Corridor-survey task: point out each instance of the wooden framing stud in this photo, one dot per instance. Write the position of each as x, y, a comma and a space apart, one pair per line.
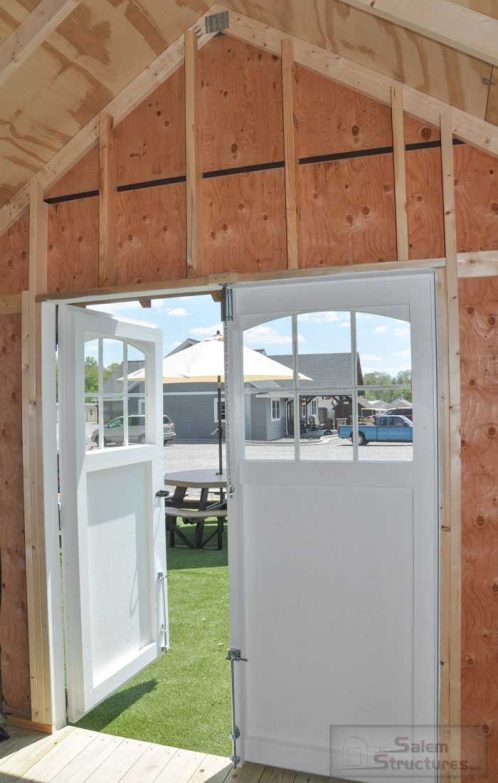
107, 202
36, 580
193, 171
398, 126
453, 491
291, 159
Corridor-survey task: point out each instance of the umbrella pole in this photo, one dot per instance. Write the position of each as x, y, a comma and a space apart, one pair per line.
220, 431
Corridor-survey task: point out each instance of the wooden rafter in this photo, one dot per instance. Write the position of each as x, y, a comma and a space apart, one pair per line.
452, 25
118, 108
372, 84
45, 18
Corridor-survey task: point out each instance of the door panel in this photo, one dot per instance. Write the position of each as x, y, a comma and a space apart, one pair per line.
113, 541
333, 560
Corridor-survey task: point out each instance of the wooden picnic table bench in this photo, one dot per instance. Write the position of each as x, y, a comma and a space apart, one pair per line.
195, 510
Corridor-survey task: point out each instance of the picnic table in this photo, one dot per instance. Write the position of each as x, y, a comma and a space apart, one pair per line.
198, 507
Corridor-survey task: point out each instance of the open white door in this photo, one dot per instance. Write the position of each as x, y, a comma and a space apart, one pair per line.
333, 544
113, 538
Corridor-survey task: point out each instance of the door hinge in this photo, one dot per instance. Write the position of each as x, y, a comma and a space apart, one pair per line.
234, 654
227, 304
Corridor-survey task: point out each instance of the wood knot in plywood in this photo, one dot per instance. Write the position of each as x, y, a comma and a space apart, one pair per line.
494, 587
485, 729
480, 521
469, 660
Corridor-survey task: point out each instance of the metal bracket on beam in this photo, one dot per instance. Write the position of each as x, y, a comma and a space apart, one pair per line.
217, 23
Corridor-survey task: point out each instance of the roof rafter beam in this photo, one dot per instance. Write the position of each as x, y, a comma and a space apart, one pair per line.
32, 31
118, 108
374, 85
452, 25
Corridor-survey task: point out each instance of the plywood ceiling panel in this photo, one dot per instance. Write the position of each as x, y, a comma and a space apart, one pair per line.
492, 107
384, 47
12, 14
88, 60
486, 7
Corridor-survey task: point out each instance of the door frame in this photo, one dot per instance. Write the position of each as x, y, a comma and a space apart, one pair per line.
49, 655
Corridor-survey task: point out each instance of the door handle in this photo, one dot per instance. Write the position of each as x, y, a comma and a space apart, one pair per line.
162, 493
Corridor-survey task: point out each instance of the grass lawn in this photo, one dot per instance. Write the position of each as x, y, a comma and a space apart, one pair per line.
183, 699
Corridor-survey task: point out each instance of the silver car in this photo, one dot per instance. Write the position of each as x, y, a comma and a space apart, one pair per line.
114, 430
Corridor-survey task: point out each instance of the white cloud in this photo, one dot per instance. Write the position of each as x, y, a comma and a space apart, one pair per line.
264, 335
206, 331
178, 312
403, 354
403, 331
380, 329
370, 357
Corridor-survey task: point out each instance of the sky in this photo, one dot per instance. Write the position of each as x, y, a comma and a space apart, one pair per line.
383, 342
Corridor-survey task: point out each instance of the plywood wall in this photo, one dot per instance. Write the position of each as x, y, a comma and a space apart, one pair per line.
346, 216
345, 180
14, 659
479, 367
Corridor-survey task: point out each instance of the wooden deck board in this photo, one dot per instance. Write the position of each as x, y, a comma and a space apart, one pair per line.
75, 755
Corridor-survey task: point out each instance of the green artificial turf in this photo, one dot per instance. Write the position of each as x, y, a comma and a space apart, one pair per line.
183, 699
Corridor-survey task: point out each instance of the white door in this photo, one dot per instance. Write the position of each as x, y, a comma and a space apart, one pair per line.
333, 544
113, 539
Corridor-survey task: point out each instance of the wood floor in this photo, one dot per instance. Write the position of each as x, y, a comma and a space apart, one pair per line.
79, 756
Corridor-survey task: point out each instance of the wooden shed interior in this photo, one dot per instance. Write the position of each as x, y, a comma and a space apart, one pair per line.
162, 144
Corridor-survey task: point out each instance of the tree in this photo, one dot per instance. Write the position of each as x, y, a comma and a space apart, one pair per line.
91, 375
403, 379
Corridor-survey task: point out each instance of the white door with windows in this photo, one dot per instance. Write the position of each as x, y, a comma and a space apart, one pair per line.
333, 544
112, 523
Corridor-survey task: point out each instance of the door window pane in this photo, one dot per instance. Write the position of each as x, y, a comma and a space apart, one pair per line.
114, 422
346, 369
268, 367
325, 426
385, 417
113, 366
324, 351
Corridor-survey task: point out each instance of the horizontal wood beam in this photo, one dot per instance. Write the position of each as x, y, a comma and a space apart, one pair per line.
32, 31
137, 91
202, 284
481, 264
370, 83
452, 25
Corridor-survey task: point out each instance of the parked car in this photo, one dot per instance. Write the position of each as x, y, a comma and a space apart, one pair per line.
393, 429
114, 430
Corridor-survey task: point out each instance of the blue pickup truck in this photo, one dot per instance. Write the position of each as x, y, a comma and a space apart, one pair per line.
394, 429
